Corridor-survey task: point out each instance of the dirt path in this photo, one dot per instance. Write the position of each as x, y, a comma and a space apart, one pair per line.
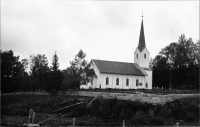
142, 97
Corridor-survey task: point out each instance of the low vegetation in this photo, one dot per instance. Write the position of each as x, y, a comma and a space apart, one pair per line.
101, 110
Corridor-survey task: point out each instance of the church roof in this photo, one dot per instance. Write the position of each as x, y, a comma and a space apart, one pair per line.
112, 67
141, 44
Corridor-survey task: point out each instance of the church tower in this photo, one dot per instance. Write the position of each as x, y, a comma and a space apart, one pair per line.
141, 55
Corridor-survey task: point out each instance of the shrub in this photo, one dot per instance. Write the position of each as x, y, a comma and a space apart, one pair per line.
177, 110
136, 106
156, 121
190, 117
150, 113
117, 107
140, 118
79, 111
164, 112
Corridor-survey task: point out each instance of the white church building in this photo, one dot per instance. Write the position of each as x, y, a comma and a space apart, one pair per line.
122, 75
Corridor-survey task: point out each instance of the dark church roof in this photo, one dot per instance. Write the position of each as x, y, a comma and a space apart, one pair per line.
141, 44
112, 67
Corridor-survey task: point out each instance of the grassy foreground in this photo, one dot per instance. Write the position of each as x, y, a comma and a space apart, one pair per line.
15, 109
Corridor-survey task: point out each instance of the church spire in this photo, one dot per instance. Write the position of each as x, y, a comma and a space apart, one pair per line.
141, 44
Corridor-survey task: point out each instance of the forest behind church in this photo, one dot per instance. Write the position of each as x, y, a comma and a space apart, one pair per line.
175, 67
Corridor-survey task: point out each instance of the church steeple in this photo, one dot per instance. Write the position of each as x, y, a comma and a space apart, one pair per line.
141, 44
141, 54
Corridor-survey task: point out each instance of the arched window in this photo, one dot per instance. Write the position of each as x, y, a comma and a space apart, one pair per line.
117, 81
145, 56
137, 81
146, 85
137, 55
127, 82
107, 81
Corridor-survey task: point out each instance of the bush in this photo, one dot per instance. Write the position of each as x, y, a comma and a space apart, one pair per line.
164, 112
117, 109
190, 117
156, 121
182, 108
140, 118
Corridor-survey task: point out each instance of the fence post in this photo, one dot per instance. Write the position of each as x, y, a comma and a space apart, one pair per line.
123, 123
73, 122
33, 117
30, 116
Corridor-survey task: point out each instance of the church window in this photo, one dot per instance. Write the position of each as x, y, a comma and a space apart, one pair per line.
137, 81
137, 55
127, 82
107, 81
117, 81
146, 85
145, 55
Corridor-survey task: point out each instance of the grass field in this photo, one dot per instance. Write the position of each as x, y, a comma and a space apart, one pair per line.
15, 110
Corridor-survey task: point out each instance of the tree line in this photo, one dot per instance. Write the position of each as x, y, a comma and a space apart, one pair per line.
176, 66
34, 74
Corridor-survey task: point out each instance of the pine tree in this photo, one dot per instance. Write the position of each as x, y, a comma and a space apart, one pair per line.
55, 77
55, 63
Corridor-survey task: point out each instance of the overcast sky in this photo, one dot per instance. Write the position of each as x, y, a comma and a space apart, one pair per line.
105, 30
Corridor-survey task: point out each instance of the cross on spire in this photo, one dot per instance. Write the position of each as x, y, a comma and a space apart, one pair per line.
142, 14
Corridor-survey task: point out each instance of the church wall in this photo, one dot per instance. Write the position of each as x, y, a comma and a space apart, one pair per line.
149, 79
122, 81
145, 61
137, 60
142, 62
97, 80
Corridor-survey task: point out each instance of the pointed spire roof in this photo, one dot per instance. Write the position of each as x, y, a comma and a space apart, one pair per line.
141, 44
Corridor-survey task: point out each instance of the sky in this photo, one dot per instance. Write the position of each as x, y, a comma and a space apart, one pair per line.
104, 30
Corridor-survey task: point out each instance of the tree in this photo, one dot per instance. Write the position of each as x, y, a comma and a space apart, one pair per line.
39, 71
11, 71
25, 64
197, 51
78, 73
55, 77
55, 63
71, 79
25, 77
161, 72
177, 63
